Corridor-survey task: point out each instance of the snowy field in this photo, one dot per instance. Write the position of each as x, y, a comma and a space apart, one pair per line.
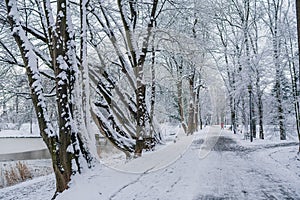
9, 130
217, 165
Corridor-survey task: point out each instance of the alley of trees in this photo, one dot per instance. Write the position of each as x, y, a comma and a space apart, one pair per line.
126, 66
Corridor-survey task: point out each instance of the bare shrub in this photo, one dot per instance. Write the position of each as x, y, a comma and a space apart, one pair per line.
11, 176
23, 171
16, 174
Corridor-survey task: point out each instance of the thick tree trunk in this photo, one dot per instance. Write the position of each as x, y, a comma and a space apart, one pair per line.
278, 71
67, 145
153, 88
141, 118
180, 97
259, 106
278, 92
278, 95
64, 172
260, 115
294, 81
197, 114
231, 82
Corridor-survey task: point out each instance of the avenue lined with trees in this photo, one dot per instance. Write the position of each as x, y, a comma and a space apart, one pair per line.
127, 66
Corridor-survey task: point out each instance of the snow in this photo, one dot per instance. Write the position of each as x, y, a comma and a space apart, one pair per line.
16, 133
212, 164
24, 131
32, 68
17, 145
49, 16
38, 188
150, 162
35, 169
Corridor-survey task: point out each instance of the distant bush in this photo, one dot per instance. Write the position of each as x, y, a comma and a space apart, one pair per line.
16, 174
23, 171
11, 176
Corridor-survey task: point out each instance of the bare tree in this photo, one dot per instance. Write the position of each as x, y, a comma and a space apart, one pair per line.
69, 145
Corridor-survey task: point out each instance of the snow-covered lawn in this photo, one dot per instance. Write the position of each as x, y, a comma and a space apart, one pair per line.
25, 130
36, 168
150, 162
217, 165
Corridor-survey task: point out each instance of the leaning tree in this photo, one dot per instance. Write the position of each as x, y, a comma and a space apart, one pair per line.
47, 45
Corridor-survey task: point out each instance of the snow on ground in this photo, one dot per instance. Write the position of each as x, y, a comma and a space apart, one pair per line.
35, 169
171, 135
150, 162
35, 189
25, 130
217, 165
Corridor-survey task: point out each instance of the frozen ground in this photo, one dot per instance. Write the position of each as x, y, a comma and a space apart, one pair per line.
25, 130
217, 165
35, 168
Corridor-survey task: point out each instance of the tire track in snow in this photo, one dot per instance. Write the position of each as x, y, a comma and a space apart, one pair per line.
129, 184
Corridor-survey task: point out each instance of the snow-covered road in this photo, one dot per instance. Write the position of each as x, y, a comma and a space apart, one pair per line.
216, 166
229, 171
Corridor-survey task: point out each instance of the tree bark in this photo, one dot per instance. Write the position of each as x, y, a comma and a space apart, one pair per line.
298, 31
191, 111
260, 111
180, 97
67, 145
137, 59
153, 88
197, 114
253, 118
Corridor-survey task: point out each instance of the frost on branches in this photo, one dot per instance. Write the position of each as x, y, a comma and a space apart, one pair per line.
67, 146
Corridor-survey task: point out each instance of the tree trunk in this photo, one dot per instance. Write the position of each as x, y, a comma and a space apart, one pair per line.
141, 118
253, 119
180, 105
66, 146
200, 117
137, 59
180, 97
260, 115
278, 71
298, 31
197, 114
153, 87
294, 80
278, 95
191, 122
232, 113
245, 120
